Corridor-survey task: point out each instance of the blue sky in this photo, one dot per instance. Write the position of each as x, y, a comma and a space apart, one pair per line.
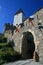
9, 7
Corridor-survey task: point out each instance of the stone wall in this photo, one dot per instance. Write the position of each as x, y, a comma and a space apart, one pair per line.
37, 33
35, 30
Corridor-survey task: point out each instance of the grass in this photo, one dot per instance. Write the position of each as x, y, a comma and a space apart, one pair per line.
7, 53
3, 44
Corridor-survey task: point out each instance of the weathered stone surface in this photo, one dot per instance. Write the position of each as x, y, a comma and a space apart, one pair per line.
25, 62
35, 30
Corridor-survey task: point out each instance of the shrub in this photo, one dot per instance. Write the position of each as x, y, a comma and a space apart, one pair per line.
8, 57
11, 43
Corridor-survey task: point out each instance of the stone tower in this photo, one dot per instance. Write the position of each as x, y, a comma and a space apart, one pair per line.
33, 25
19, 17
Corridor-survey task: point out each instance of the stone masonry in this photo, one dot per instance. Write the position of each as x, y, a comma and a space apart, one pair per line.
36, 28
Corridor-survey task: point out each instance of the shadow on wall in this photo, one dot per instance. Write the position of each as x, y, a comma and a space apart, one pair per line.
35, 56
28, 45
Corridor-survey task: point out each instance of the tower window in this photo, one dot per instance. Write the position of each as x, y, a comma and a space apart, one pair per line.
39, 23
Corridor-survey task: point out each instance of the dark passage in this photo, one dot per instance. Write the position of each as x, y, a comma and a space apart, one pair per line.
28, 45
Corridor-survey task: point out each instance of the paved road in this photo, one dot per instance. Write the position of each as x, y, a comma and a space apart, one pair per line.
24, 62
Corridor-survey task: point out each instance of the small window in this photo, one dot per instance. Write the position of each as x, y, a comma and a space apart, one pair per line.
39, 23
21, 24
40, 27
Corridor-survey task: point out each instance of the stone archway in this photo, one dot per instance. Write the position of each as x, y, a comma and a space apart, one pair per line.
28, 46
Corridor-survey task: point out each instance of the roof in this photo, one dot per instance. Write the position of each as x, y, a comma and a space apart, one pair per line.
38, 10
19, 11
32, 16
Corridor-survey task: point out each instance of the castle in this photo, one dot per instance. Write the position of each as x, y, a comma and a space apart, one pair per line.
21, 26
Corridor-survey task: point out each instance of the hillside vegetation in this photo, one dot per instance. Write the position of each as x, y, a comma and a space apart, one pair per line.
7, 53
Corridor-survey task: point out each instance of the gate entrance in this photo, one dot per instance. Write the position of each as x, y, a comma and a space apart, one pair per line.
28, 46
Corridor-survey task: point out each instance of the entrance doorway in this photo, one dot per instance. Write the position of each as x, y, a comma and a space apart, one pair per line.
28, 45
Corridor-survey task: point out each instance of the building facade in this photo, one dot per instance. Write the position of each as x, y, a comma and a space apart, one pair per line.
33, 25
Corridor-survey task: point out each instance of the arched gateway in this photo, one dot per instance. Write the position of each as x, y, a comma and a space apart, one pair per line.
28, 46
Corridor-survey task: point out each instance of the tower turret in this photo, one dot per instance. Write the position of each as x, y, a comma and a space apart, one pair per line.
19, 17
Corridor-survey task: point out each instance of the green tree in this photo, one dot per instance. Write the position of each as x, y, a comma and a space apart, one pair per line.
11, 43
